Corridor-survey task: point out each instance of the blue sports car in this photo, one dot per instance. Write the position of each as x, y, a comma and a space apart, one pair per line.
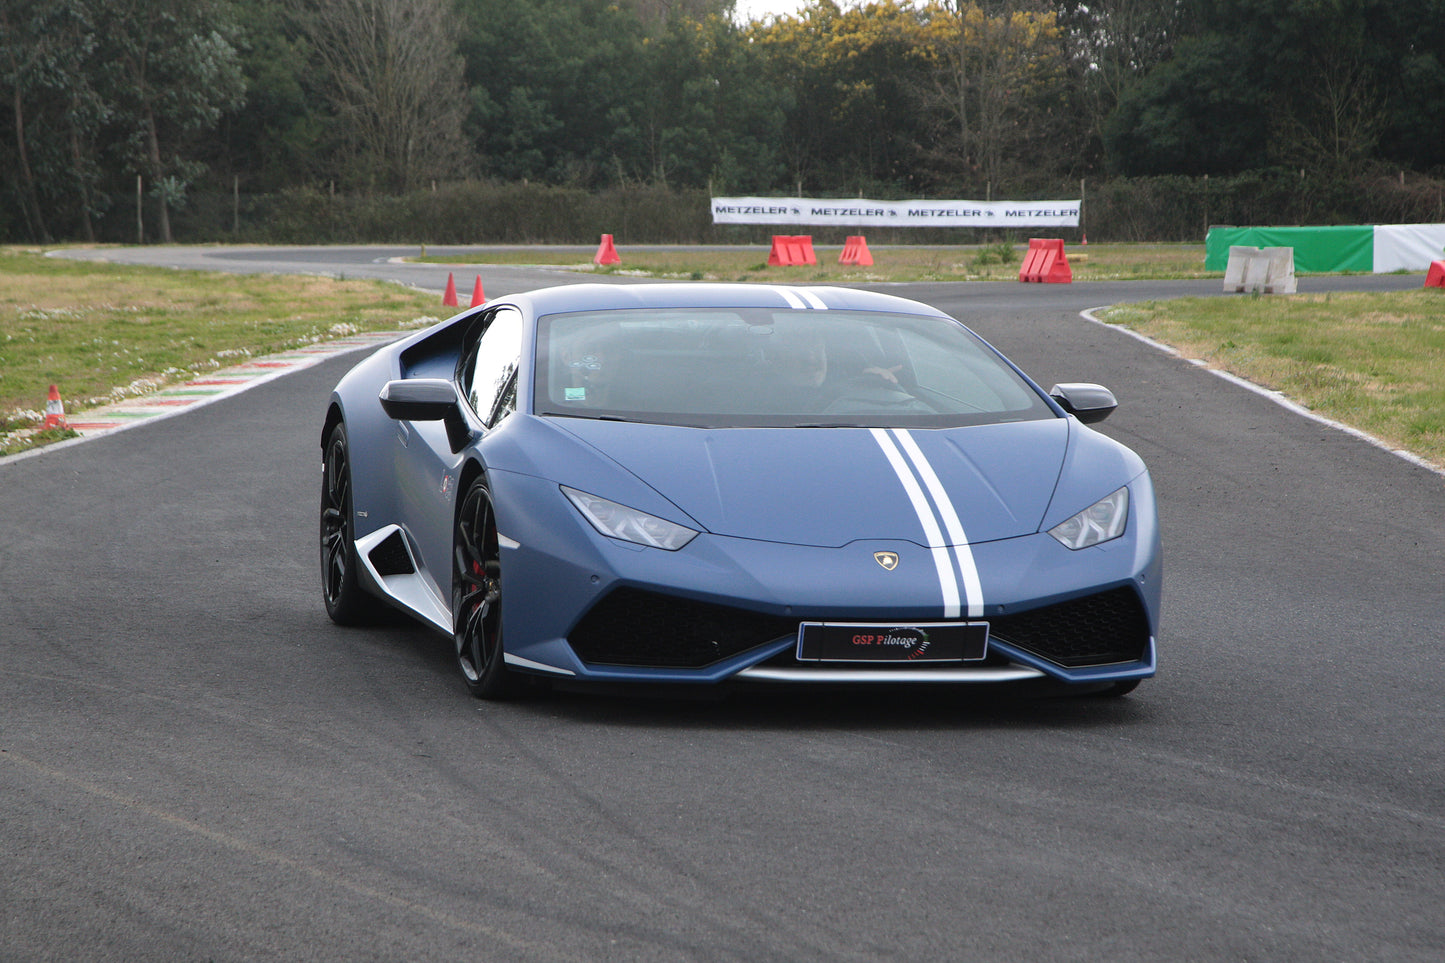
704, 483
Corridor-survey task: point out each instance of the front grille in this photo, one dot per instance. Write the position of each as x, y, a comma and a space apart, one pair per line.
633, 627
1097, 629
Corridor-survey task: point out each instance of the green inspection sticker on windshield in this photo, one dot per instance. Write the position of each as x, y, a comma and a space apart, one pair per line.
575, 394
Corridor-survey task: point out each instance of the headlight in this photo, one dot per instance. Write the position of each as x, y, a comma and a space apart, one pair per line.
628, 524
1100, 522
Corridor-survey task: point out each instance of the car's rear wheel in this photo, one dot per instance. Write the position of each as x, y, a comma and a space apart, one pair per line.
346, 602
477, 597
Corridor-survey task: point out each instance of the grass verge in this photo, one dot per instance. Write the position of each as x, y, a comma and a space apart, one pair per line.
104, 332
1372, 361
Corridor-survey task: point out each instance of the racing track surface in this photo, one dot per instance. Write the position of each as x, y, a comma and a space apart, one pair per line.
195, 764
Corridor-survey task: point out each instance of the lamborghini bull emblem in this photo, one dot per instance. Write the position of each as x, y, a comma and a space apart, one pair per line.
889, 560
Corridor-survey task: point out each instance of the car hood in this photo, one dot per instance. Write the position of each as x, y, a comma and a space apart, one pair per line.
829, 487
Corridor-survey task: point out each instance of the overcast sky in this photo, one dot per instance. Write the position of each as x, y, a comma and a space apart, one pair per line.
746, 10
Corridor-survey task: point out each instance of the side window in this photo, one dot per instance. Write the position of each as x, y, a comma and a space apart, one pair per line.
490, 372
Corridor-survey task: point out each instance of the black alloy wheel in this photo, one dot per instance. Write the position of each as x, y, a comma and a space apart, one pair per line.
346, 602
477, 597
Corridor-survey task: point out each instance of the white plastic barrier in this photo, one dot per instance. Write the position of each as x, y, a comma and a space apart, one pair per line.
1269, 270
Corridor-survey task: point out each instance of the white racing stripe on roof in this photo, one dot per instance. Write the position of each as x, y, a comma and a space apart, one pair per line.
801, 298
972, 588
812, 298
788, 295
947, 576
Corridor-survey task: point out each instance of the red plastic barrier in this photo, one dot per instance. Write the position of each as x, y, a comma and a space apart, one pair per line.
449, 297
1046, 262
478, 295
855, 251
1435, 278
791, 250
606, 252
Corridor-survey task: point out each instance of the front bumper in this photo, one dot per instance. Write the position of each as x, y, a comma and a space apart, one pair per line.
582, 606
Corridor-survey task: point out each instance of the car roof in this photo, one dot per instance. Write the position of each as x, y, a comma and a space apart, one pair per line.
601, 297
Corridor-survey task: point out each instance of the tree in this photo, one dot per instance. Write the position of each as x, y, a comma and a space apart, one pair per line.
662, 12
695, 109
46, 49
1318, 85
392, 74
278, 138
853, 76
1197, 113
996, 90
550, 83
171, 71
1114, 44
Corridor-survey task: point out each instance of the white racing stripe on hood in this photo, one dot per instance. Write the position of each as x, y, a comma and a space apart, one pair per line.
961, 584
972, 589
947, 577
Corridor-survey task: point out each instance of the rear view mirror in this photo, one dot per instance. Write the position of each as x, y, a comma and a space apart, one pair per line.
427, 399
1086, 402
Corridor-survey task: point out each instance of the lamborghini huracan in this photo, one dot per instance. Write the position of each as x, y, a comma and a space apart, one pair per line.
703, 484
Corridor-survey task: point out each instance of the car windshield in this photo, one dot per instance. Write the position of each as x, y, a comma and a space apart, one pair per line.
774, 368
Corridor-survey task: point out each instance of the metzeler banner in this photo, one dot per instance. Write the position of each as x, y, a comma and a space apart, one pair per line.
864, 213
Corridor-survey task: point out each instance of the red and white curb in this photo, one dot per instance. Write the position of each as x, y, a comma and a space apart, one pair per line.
204, 389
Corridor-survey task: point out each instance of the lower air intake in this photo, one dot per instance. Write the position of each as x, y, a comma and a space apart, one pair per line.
637, 628
390, 556
1100, 629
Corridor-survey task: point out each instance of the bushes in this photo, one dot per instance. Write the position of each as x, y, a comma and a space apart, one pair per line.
1183, 208
477, 213
1167, 208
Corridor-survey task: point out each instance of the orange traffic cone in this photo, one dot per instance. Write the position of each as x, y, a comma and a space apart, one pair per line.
450, 298
606, 252
55, 410
477, 296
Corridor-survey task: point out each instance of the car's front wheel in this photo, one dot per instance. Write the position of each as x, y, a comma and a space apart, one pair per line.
346, 602
477, 597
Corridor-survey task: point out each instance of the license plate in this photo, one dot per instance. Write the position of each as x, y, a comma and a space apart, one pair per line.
918, 642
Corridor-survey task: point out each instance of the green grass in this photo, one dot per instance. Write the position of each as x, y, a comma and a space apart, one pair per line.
1373, 361
105, 332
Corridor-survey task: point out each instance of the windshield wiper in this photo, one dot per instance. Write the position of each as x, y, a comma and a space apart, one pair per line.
581, 415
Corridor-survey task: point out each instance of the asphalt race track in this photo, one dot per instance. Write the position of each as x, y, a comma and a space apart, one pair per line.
196, 765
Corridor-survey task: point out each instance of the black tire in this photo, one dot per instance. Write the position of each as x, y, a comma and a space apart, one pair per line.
346, 602
477, 598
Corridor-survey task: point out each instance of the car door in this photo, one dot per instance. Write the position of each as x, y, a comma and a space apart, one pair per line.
428, 470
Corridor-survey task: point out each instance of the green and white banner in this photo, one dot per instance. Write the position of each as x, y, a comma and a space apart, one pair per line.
866, 213
1364, 249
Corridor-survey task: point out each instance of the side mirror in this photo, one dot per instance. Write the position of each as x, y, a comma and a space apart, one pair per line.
1086, 402
428, 399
